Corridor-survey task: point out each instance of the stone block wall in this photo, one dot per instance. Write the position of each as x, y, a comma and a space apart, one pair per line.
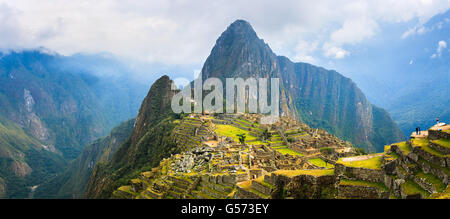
353, 173
434, 134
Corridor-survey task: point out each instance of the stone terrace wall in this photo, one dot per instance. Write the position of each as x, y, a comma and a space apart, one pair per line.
434, 134
354, 173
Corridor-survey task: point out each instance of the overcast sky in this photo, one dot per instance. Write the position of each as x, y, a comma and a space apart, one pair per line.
183, 32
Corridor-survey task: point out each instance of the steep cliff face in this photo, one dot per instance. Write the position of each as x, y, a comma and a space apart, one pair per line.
63, 107
149, 143
24, 161
328, 100
321, 98
73, 182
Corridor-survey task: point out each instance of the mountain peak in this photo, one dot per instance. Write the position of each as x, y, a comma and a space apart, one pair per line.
241, 24
238, 31
154, 107
239, 52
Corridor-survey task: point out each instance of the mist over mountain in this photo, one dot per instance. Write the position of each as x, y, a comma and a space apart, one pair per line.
52, 109
407, 73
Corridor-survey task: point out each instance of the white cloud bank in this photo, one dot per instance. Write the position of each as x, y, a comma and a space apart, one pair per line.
442, 45
184, 31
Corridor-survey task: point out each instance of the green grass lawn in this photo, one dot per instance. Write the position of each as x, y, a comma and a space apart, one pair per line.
320, 163
404, 147
372, 163
279, 147
411, 188
289, 151
420, 142
232, 132
434, 180
318, 172
443, 142
261, 180
247, 124
391, 156
256, 143
275, 142
423, 143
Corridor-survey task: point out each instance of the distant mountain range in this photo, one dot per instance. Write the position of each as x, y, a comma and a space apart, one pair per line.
51, 107
401, 75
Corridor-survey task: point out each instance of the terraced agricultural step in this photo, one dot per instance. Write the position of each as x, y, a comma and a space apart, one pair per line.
411, 190
245, 191
441, 172
263, 187
153, 194
175, 195
432, 155
177, 189
429, 182
277, 144
218, 187
213, 193
180, 182
441, 145
200, 195
276, 139
249, 194
358, 189
299, 135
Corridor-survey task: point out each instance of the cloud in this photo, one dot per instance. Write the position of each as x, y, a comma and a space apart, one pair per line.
183, 32
421, 29
354, 31
442, 45
335, 52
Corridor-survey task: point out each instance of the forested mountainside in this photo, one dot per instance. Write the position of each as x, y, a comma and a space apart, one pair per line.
319, 97
73, 182
24, 161
150, 141
51, 109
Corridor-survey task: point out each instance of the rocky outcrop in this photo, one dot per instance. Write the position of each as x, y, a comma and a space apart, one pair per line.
156, 106
20, 169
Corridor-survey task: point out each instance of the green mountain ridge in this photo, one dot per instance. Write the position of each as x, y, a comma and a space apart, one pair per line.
73, 182
149, 142
51, 110
24, 161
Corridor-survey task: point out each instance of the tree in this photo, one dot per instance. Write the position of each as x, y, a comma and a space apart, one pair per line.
266, 134
241, 138
361, 151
